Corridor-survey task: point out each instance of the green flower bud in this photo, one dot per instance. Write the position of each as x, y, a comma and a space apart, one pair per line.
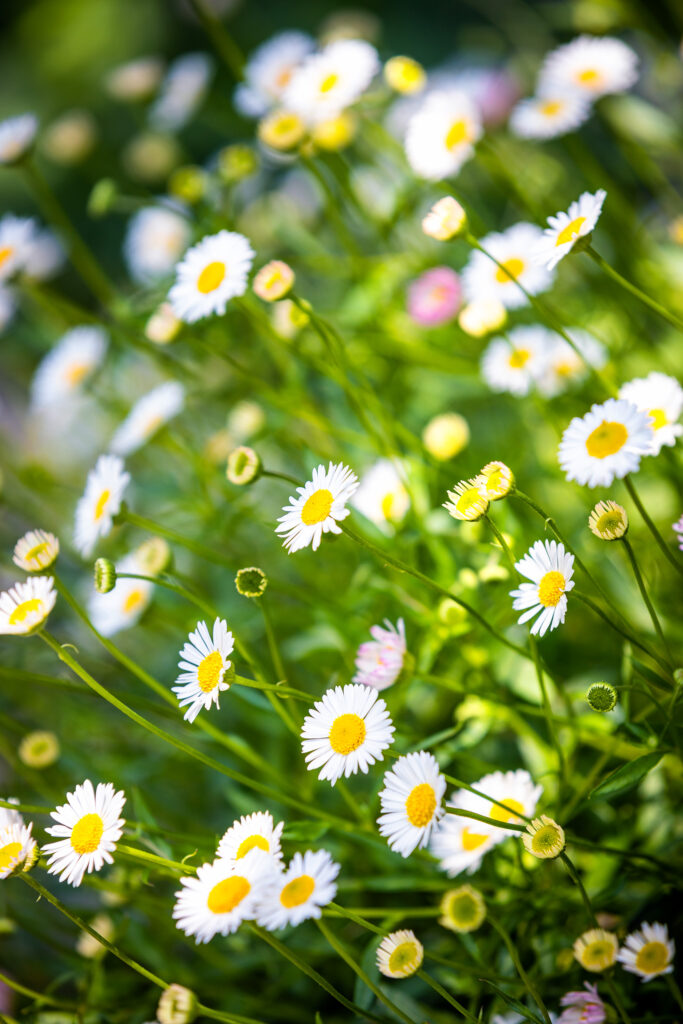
244, 466
105, 575
178, 1005
251, 582
102, 197
602, 697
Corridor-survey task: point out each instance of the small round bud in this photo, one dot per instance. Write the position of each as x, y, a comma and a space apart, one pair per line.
39, 749
154, 556
281, 130
70, 138
462, 909
244, 466
544, 838
446, 219
466, 501
608, 521
35, 551
163, 325
273, 281
150, 157
496, 480
602, 697
178, 1005
335, 133
189, 184
481, 317
450, 613
236, 163
102, 197
445, 436
251, 582
105, 575
404, 75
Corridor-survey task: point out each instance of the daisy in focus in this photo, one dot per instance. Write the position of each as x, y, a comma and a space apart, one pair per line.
381, 495
124, 605
221, 895
269, 71
155, 240
17, 235
467, 501
517, 362
550, 569
589, 66
584, 1007
662, 397
648, 952
495, 481
298, 893
513, 250
411, 802
211, 273
549, 116
88, 828
16, 137
18, 849
347, 731
330, 81
596, 949
442, 133
149, 414
606, 444
565, 229
400, 954
36, 550
67, 366
379, 662
25, 606
255, 831
101, 501
435, 297
205, 662
319, 508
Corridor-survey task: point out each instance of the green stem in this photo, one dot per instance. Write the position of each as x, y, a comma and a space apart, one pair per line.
38, 997
501, 540
279, 708
618, 629
345, 237
223, 43
281, 476
529, 985
616, 276
651, 526
561, 766
210, 554
674, 989
482, 817
646, 599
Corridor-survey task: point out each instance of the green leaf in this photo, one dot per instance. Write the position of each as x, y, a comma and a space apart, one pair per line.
626, 777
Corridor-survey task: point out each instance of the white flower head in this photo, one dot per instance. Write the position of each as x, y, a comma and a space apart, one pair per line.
328, 82
149, 414
442, 133
345, 732
296, 895
155, 240
514, 250
381, 495
211, 273
379, 661
101, 501
648, 952
18, 849
36, 550
67, 366
221, 895
255, 831
319, 507
606, 444
565, 364
549, 116
182, 91
550, 569
662, 398
565, 229
269, 71
205, 660
400, 954
26, 606
517, 362
590, 66
411, 802
123, 606
45, 256
88, 827
16, 137
17, 235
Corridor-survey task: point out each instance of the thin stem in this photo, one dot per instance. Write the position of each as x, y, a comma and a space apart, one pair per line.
561, 766
622, 632
629, 287
674, 989
501, 540
651, 526
223, 43
38, 997
482, 817
648, 603
210, 554
529, 985
277, 475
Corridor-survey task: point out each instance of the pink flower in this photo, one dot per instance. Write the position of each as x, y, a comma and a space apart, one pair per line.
678, 527
435, 297
380, 660
583, 1007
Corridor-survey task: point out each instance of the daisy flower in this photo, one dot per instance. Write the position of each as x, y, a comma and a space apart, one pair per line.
211, 273
549, 116
566, 365
608, 520
155, 240
381, 495
346, 731
662, 397
182, 91
434, 297
514, 251
442, 133
16, 237
517, 362
380, 661
400, 954
269, 71
273, 281
18, 849
8, 816
67, 366
328, 82
101, 501
122, 606
88, 827
466, 501
411, 802
596, 949
565, 229
544, 838
550, 569
25, 606
648, 952
221, 895
589, 66
463, 909
606, 444
255, 831
148, 415
16, 137
205, 661
318, 509
583, 1007
36, 550
300, 891
496, 480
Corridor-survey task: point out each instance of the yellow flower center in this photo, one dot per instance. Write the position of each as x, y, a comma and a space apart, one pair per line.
210, 671
495, 481
404, 957
551, 107
458, 133
551, 588
598, 955
228, 894
652, 958
472, 840
101, 504
283, 78
5, 253
328, 83
210, 277
464, 908
286, 124
133, 601
609, 522
469, 501
511, 810
34, 553
659, 418
347, 733
297, 891
86, 833
251, 843
570, 232
317, 507
509, 270
607, 438
421, 804
519, 358
8, 853
589, 76
545, 839
75, 373
23, 610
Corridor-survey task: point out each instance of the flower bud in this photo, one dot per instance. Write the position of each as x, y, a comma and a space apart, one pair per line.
482, 316
102, 197
244, 466
602, 697
336, 133
466, 501
544, 838
105, 575
154, 556
236, 162
163, 325
189, 184
273, 281
445, 436
496, 480
251, 582
39, 749
462, 909
70, 138
178, 1005
608, 521
281, 130
446, 219
404, 75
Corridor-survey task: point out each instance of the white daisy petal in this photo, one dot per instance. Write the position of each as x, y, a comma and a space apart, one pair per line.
211, 273
206, 662
300, 891
411, 802
88, 826
606, 444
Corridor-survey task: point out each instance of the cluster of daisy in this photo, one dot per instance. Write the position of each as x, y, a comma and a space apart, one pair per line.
647, 952
24, 608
